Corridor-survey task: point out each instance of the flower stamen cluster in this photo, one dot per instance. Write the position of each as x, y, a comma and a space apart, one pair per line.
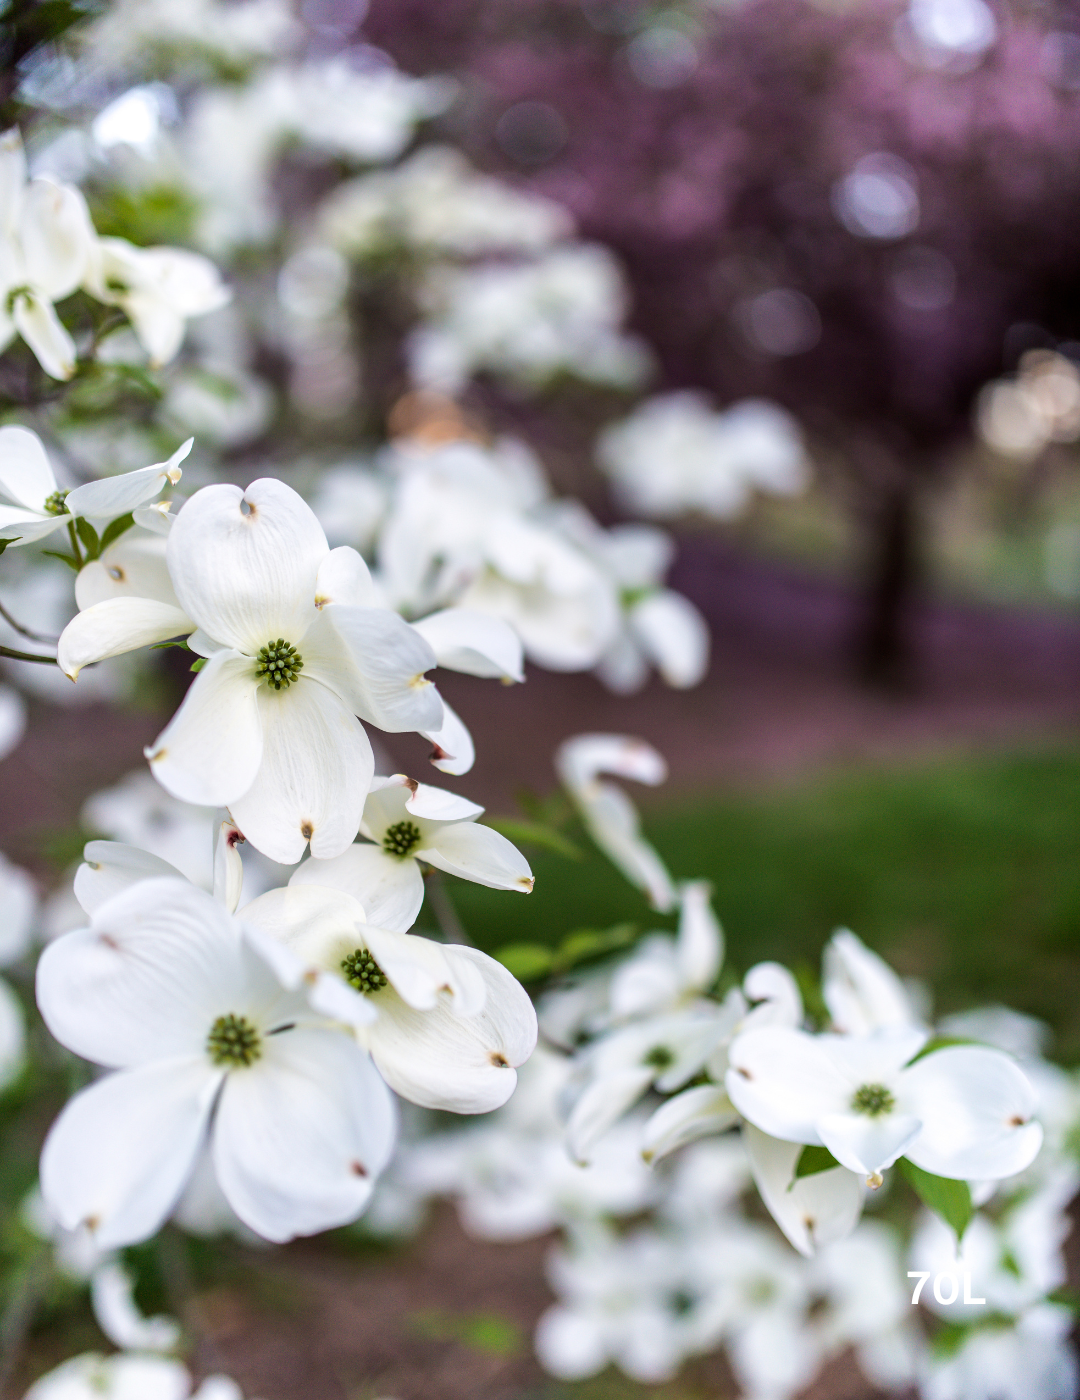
363, 972
233, 1041
873, 1100
401, 839
55, 504
279, 663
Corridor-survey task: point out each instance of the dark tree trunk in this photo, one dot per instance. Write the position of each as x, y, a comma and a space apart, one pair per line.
884, 650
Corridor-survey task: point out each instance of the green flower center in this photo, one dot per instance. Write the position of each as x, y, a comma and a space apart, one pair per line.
363, 972
54, 504
279, 663
873, 1100
660, 1057
233, 1041
401, 838
15, 294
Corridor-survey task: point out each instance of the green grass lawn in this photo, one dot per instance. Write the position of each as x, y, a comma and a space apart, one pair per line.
964, 872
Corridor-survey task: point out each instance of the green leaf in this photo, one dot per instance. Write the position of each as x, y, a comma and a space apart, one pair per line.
69, 559
198, 665
529, 962
115, 529
1066, 1297
486, 1332
180, 642
4, 543
945, 1197
813, 1160
535, 834
89, 537
940, 1042
587, 944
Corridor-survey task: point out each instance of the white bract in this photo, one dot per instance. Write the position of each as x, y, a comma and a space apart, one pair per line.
675, 454
962, 1111
406, 822
294, 650
166, 989
45, 241
446, 1025
128, 1377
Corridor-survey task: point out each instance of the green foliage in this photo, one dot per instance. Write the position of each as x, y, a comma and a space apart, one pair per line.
940, 1042
485, 1332
535, 834
532, 962
89, 537
69, 559
813, 1160
945, 1197
115, 529
157, 214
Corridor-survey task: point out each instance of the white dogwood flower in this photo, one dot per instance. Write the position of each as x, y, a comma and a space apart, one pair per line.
158, 289
446, 1025
45, 241
963, 1111
127, 1376
406, 822
860, 989
165, 988
40, 506
295, 651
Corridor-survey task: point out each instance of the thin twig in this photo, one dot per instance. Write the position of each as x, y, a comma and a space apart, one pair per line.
442, 906
25, 631
28, 656
19, 1315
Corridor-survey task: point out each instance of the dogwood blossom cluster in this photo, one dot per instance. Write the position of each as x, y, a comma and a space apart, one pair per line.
678, 1106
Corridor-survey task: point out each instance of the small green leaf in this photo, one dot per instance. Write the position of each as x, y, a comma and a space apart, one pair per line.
486, 1332
813, 1160
89, 537
1066, 1297
535, 834
4, 543
586, 944
945, 1197
527, 961
940, 1042
180, 642
115, 529
69, 559
198, 665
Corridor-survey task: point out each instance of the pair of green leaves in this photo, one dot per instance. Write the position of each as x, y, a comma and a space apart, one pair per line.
93, 543
949, 1199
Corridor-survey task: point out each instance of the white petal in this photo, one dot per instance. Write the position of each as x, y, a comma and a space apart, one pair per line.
159, 328
20, 527
158, 964
976, 1105
375, 661
868, 1145
300, 1137
12, 720
479, 854
695, 1113
464, 1064
601, 1105
612, 822
314, 921
110, 867
580, 759
390, 889
434, 804
417, 967
570, 1345
244, 563
210, 751
25, 474
114, 496
344, 578
116, 626
783, 1081
41, 328
12, 1035
775, 995
18, 907
674, 635
813, 1210
860, 989
473, 642
56, 237
699, 949
228, 866
112, 1295
117, 1158
12, 179
133, 566
315, 772
453, 746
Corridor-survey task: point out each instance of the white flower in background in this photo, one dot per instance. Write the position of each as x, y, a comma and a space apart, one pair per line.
27, 479
659, 626
406, 822
294, 653
529, 322
435, 203
664, 973
165, 988
608, 814
675, 454
128, 1377
135, 33
860, 989
12, 720
158, 289
962, 1111
446, 1025
351, 501
45, 239
1032, 1360
18, 908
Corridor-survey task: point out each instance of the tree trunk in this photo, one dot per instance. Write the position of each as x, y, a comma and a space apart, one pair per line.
884, 650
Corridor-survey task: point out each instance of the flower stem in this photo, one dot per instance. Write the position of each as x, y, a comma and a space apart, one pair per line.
442, 906
27, 656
